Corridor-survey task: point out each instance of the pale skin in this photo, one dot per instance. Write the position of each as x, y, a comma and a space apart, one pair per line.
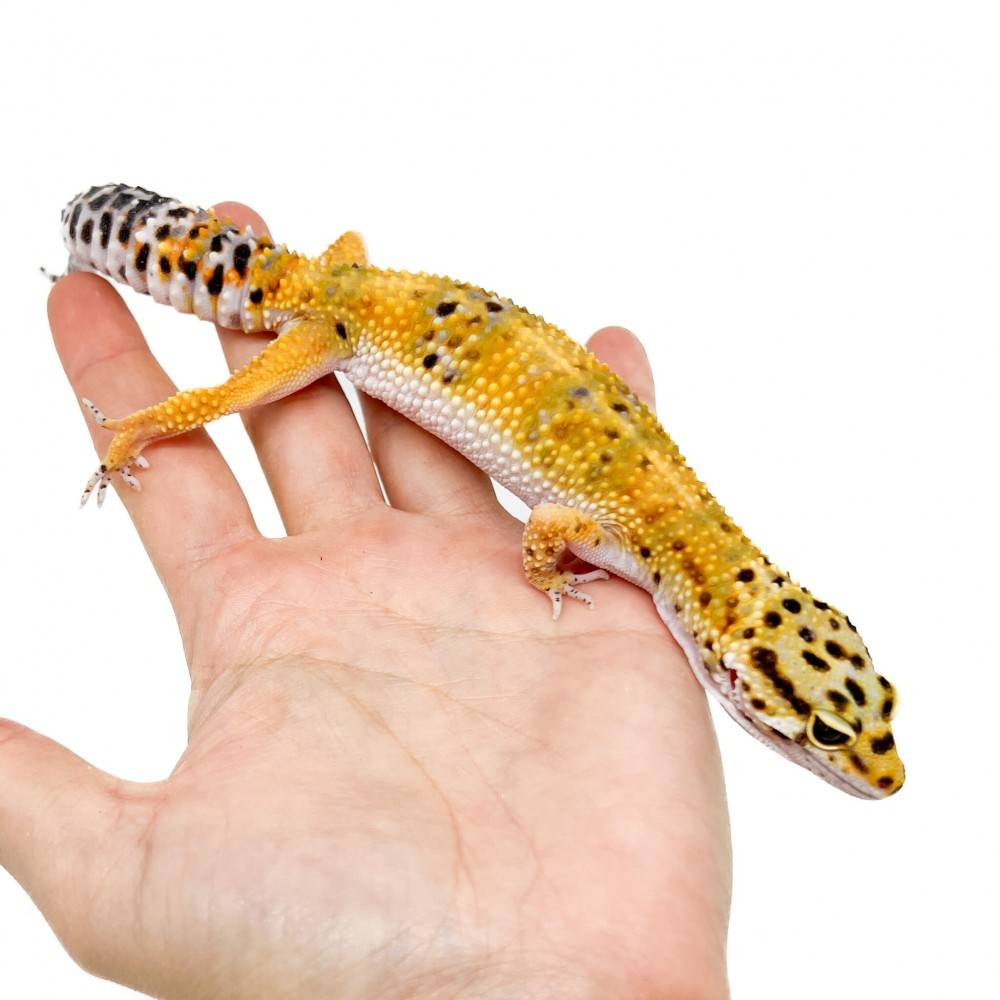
403, 779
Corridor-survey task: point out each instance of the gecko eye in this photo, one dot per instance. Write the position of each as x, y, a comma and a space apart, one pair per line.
829, 731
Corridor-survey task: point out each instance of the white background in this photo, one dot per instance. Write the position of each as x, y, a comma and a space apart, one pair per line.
796, 205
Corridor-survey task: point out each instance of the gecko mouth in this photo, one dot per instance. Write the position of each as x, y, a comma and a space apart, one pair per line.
727, 689
729, 693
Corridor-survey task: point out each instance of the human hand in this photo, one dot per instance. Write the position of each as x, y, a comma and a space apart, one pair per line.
402, 778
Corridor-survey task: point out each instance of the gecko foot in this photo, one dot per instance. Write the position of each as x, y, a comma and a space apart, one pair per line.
124, 465
102, 478
565, 585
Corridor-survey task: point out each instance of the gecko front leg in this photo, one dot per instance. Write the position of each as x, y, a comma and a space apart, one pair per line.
548, 533
302, 353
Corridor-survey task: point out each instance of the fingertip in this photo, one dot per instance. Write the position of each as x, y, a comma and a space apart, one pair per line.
622, 351
89, 321
241, 215
70, 291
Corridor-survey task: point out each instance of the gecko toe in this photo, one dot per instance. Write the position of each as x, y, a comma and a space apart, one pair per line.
566, 587
130, 480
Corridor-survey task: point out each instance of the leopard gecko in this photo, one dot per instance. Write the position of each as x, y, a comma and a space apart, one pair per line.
539, 414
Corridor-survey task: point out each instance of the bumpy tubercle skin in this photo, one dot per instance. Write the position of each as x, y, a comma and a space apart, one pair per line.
540, 414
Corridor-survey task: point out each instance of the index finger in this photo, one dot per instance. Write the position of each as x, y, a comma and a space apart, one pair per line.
191, 505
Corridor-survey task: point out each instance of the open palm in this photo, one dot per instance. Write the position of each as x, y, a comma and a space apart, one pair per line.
402, 778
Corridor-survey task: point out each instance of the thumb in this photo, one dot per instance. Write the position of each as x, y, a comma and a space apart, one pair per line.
62, 834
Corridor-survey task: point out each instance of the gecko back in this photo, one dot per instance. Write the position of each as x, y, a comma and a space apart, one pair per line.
181, 256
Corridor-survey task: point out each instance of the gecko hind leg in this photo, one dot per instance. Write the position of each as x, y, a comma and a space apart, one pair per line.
118, 458
550, 530
303, 352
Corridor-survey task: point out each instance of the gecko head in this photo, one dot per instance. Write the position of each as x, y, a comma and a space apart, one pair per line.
801, 680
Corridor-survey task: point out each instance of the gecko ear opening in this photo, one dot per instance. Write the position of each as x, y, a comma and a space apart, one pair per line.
829, 731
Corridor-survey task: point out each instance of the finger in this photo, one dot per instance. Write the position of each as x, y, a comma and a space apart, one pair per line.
420, 472
68, 836
623, 352
191, 506
310, 446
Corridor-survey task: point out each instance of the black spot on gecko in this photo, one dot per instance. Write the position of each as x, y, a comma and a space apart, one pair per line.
835, 649
645, 552
884, 682
74, 219
745, 575
834, 624
619, 407
134, 211
767, 662
124, 232
772, 619
446, 308
807, 634
605, 456
241, 254
748, 633
822, 605
882, 744
859, 763
216, 245
121, 199
99, 202
855, 691
162, 232
195, 231
87, 231
887, 708
164, 265
142, 257
857, 660
817, 662
678, 545
790, 604
258, 294
580, 392
838, 700
657, 577
758, 703
179, 213
189, 267
341, 329
214, 284
430, 360
494, 307
704, 597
